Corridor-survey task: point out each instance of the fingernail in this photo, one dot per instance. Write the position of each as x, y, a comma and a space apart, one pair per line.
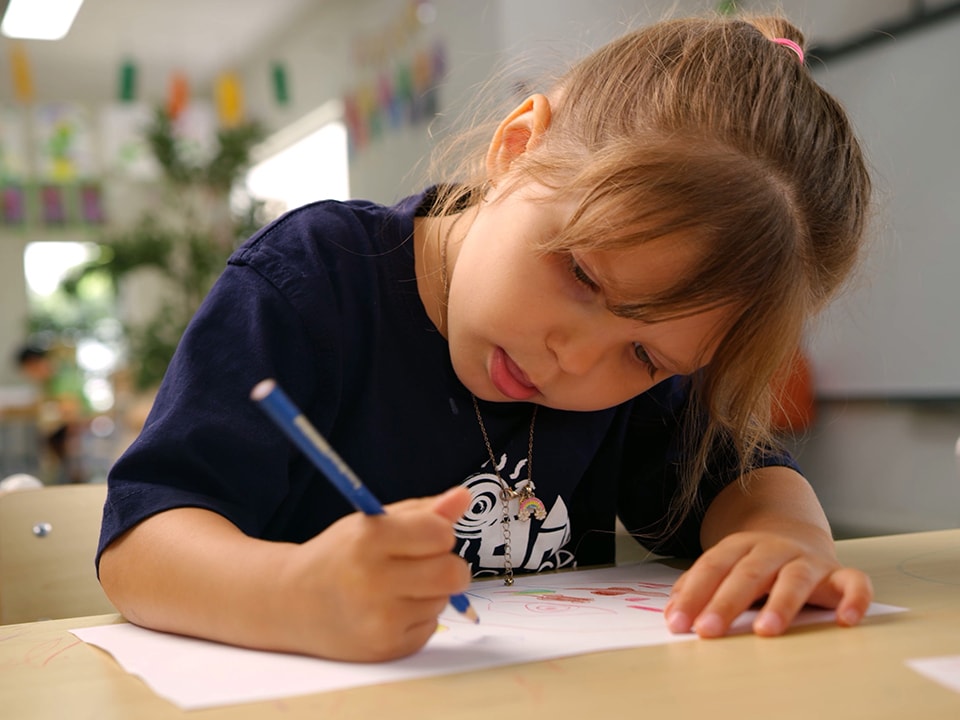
678, 622
709, 625
849, 617
768, 623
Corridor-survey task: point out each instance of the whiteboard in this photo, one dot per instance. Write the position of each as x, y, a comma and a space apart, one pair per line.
896, 331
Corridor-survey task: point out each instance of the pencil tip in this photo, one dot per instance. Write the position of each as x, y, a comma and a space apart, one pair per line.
471, 614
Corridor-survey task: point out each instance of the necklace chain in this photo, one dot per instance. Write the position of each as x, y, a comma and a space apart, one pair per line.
528, 501
507, 493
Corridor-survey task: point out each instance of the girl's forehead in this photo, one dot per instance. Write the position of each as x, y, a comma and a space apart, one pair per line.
648, 268
656, 282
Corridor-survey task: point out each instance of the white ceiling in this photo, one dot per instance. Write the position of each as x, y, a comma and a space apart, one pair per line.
198, 37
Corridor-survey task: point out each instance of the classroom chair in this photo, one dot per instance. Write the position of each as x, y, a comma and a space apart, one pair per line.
48, 538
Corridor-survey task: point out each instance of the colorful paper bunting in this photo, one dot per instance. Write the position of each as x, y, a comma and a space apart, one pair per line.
22, 76
229, 100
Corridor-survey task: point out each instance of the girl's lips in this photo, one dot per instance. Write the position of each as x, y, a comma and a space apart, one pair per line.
508, 378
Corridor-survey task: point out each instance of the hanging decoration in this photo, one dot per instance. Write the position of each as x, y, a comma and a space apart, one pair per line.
229, 96
727, 7
399, 71
64, 143
281, 91
14, 148
123, 145
13, 205
13, 167
195, 132
128, 82
22, 75
179, 95
91, 204
53, 210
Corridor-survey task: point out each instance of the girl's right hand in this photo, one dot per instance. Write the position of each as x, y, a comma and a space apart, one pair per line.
370, 587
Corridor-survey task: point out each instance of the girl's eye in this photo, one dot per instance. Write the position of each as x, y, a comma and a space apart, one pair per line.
581, 276
645, 360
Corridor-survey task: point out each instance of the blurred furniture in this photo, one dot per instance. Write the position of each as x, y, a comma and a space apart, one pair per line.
19, 438
20, 481
957, 452
48, 538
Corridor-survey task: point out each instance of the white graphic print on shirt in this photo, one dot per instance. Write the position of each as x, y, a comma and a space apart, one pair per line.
534, 544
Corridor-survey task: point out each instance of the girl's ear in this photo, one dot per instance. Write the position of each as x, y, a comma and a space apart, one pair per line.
518, 132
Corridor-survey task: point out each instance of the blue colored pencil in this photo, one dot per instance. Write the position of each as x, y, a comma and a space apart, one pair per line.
304, 435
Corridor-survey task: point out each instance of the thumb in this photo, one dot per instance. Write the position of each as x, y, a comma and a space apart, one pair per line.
452, 504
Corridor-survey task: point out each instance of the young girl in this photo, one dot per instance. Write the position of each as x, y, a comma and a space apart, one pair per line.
584, 326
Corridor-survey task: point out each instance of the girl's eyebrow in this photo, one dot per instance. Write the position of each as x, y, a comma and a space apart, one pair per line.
628, 311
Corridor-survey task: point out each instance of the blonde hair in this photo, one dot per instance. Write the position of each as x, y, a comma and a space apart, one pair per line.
705, 131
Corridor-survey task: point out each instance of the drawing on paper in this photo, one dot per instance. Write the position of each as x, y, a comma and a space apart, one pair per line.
593, 606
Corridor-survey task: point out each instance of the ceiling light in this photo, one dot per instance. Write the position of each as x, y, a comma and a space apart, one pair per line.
39, 19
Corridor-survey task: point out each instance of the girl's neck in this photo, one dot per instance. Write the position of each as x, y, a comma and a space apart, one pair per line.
436, 246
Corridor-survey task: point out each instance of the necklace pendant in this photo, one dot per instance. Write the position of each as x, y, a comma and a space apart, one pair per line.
530, 504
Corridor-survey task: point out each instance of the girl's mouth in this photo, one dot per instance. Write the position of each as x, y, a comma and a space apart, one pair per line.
508, 378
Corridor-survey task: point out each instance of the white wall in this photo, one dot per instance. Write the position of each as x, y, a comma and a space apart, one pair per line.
879, 464
885, 466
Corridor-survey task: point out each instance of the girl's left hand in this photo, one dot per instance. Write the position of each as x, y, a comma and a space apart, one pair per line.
745, 566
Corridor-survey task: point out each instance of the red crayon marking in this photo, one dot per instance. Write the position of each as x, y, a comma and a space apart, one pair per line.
645, 607
62, 650
613, 591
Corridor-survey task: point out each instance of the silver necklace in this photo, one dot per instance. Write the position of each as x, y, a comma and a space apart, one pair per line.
527, 503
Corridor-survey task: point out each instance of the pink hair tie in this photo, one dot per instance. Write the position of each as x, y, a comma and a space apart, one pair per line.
787, 43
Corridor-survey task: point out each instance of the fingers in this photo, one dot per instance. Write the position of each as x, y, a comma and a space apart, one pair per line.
391, 574
423, 579
421, 527
719, 586
849, 591
736, 573
392, 631
452, 504
794, 583
414, 539
846, 589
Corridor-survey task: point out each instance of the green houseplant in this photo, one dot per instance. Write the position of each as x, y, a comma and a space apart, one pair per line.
200, 216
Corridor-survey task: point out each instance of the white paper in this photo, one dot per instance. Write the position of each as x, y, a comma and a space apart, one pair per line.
538, 618
944, 669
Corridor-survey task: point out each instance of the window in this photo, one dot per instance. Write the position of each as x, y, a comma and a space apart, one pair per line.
302, 163
84, 318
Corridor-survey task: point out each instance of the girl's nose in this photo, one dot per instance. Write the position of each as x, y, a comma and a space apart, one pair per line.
578, 350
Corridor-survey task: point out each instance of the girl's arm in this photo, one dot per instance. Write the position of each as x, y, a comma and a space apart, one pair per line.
367, 588
768, 539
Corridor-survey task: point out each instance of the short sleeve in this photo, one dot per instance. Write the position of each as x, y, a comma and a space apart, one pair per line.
205, 443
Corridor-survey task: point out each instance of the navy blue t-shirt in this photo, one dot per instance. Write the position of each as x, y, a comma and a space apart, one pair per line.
325, 301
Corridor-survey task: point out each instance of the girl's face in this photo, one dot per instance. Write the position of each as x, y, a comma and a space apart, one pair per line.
528, 326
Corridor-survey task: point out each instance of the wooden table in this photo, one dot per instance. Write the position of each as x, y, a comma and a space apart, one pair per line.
815, 673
